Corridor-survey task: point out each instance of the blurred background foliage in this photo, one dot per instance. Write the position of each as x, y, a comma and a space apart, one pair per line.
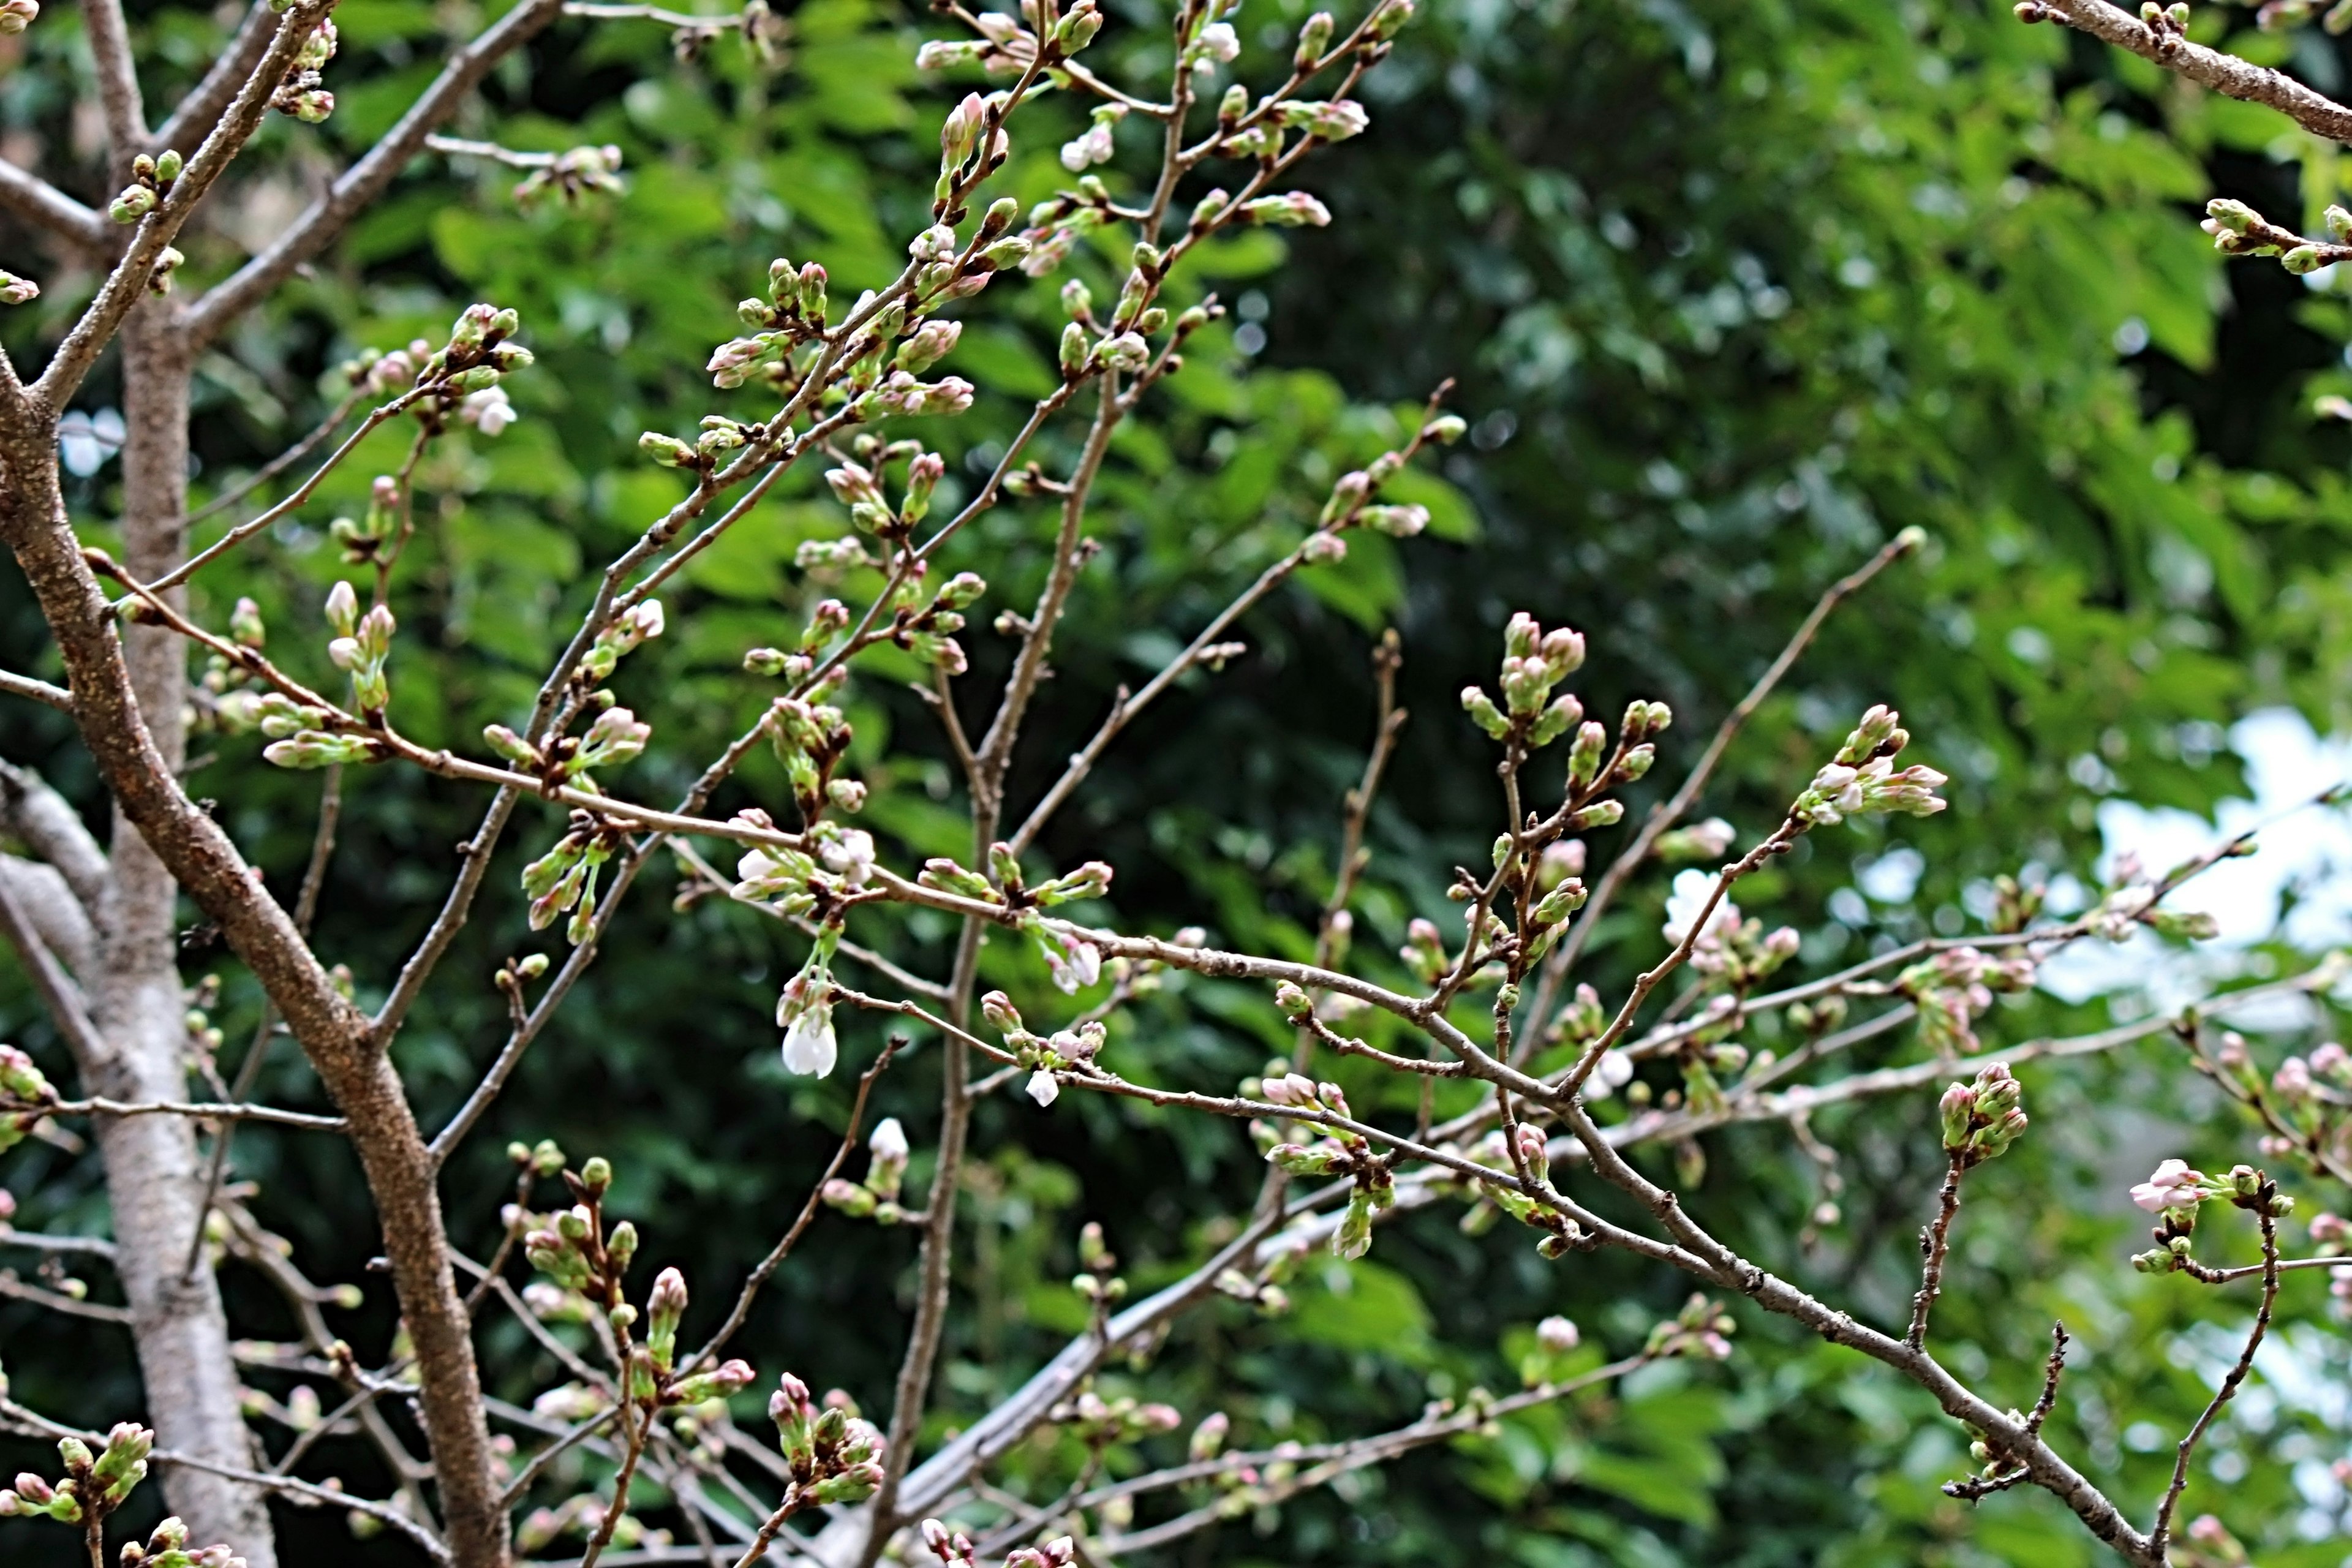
1730, 292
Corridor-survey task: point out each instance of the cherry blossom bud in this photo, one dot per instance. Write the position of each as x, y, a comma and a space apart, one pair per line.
1558, 1335
1293, 209
15, 16
15, 291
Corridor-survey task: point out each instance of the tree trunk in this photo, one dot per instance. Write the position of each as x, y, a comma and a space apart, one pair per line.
154, 1174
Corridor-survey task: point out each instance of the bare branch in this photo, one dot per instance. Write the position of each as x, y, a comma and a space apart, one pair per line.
198, 112
2224, 73
2230, 1380
118, 78
128, 283
37, 202
1563, 958
365, 180
53, 830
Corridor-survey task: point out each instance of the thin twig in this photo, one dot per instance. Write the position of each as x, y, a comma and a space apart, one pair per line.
1933, 1242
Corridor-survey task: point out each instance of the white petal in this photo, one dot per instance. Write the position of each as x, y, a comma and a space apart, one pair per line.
1044, 1086
809, 1044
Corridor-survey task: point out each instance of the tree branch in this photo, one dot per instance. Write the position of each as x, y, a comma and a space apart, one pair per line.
39, 203
365, 180
128, 283
2224, 73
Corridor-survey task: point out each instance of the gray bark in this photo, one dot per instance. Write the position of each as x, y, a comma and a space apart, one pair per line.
154, 1174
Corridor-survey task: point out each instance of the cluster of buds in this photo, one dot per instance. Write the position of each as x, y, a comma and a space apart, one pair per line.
1208, 40
1008, 44
26, 1093
2175, 1190
167, 1547
1861, 781
361, 646
946, 268
2305, 1100
1098, 1279
15, 16
834, 1455
655, 1380
1098, 1423
1533, 1157
2275, 16
810, 737
1701, 1329
1954, 987
93, 1487
151, 181
15, 291
927, 627
1709, 840
1980, 1119
1341, 1152
876, 1197
2130, 900
616, 736
1732, 951
1264, 1289
629, 630
463, 377
581, 1515
793, 313
571, 1247
565, 877
1050, 1056
1324, 120
859, 487
954, 1549
571, 176
1534, 662
1093, 145
1056, 225
364, 538
1352, 502
719, 436
298, 93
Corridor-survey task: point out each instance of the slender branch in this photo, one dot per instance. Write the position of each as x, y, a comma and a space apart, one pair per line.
39, 203
277, 465
633, 1436
248, 1071
118, 79
357, 188
1323, 1463
302, 493
269, 1115
58, 994
128, 283
37, 1241
1562, 960
2224, 73
58, 1301
1933, 1242
198, 112
2236, 1375
41, 691
741, 1312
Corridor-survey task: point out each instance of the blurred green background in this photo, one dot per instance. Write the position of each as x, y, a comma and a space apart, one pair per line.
1731, 291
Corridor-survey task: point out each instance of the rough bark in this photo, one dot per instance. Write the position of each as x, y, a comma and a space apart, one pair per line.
154, 1177
187, 847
